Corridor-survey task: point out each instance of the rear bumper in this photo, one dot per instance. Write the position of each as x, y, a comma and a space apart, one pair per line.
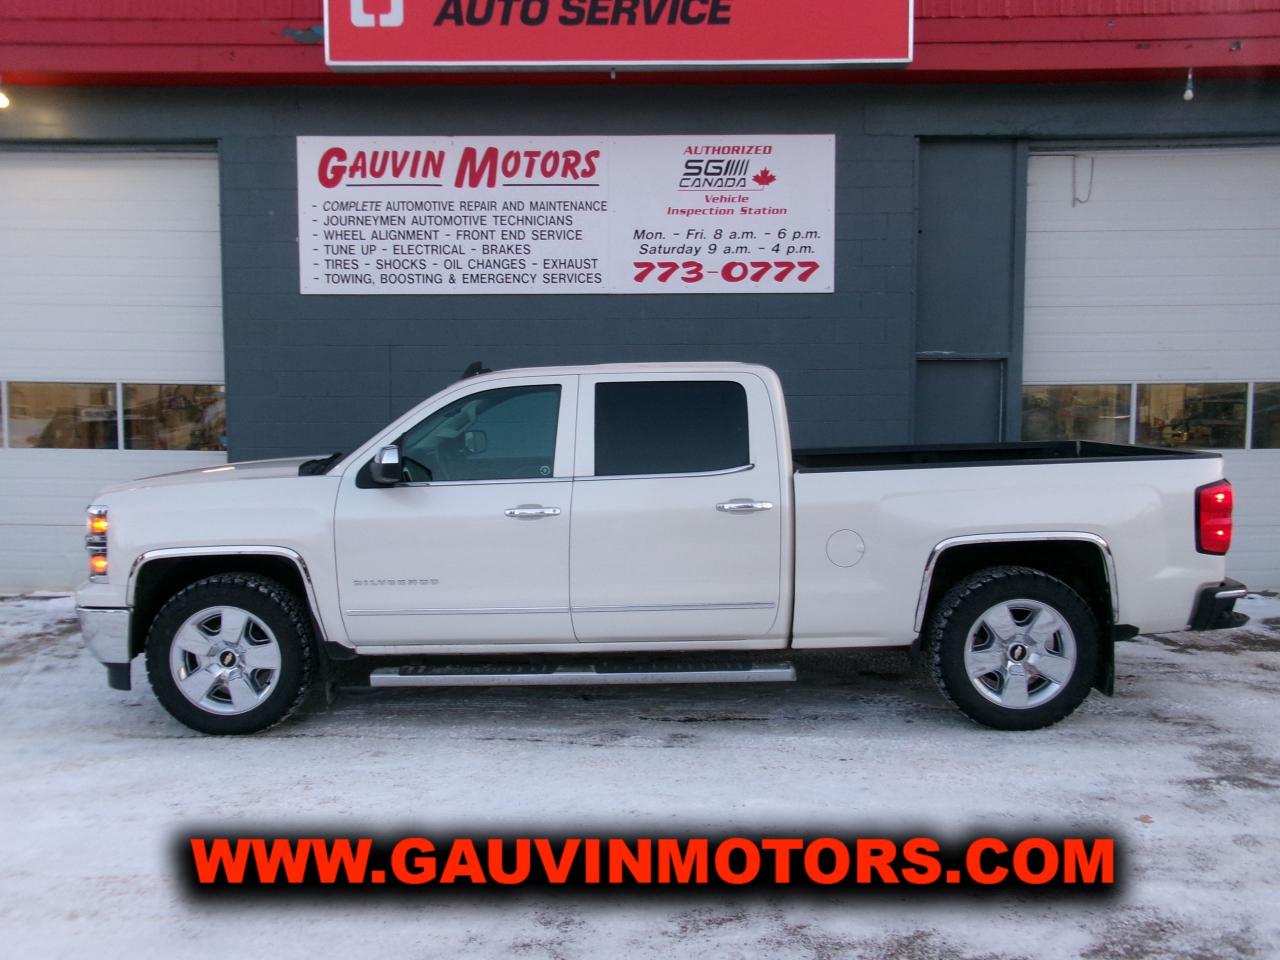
1215, 606
106, 631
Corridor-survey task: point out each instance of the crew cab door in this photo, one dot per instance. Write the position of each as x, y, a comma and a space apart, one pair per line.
678, 512
474, 546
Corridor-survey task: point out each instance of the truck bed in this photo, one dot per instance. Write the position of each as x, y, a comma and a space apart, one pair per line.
826, 459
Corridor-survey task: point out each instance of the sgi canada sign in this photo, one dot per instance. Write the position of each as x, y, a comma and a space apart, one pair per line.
463, 34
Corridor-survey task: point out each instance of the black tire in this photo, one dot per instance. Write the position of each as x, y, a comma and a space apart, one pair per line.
273, 614
1016, 696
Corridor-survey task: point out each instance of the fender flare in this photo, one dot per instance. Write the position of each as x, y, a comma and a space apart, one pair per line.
1022, 536
259, 550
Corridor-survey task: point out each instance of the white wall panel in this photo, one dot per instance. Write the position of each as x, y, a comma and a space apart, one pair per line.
1255, 547
1167, 270
109, 271
110, 267
43, 494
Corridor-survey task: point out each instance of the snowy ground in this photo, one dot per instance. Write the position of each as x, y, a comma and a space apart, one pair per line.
1183, 765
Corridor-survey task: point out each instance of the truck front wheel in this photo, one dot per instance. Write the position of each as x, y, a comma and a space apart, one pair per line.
231, 654
1013, 648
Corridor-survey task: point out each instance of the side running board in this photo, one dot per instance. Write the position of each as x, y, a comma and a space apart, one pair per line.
522, 675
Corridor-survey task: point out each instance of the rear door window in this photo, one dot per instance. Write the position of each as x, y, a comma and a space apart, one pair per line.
670, 427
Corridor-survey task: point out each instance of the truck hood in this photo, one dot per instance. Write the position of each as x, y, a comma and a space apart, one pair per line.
248, 470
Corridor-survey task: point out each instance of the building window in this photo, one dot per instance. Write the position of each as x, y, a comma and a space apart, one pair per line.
1076, 412
1266, 416
68, 416
114, 416
174, 416
1203, 416
1200, 415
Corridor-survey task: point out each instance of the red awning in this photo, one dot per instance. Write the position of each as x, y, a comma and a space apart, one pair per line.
278, 41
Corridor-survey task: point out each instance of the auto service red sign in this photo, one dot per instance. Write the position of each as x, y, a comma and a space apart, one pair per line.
408, 34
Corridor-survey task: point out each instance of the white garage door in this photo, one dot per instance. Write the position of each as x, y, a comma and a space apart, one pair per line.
110, 340
1153, 314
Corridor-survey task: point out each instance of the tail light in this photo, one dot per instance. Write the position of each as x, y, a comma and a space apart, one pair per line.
1214, 503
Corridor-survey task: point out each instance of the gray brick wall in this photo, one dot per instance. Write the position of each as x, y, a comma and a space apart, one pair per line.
311, 374
314, 374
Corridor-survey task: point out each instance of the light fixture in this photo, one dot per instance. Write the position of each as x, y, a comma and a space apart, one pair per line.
1189, 94
4, 100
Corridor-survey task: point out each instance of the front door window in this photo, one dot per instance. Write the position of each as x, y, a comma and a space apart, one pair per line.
504, 434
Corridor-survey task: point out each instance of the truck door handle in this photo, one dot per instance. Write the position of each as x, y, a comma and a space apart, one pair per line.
531, 511
744, 506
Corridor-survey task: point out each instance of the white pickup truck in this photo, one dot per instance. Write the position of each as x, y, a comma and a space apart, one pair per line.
647, 523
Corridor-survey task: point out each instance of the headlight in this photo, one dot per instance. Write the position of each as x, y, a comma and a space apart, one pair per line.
95, 542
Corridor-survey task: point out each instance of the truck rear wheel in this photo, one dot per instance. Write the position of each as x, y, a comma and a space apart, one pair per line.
231, 654
1013, 648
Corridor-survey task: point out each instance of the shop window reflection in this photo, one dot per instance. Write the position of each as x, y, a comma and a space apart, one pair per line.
1198, 415
174, 416
1266, 416
68, 416
1076, 412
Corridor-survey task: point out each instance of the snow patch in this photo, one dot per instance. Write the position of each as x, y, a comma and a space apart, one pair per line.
1182, 765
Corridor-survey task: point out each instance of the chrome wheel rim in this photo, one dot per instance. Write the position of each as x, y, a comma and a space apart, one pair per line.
225, 660
1020, 654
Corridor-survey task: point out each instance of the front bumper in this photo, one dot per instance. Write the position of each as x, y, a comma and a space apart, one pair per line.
106, 631
1215, 606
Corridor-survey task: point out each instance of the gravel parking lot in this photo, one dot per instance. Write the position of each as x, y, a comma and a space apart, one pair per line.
1183, 766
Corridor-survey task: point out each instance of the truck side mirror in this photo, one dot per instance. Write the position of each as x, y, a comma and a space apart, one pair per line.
475, 441
385, 469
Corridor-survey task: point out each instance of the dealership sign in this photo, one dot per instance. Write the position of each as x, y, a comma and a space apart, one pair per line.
565, 215
400, 34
